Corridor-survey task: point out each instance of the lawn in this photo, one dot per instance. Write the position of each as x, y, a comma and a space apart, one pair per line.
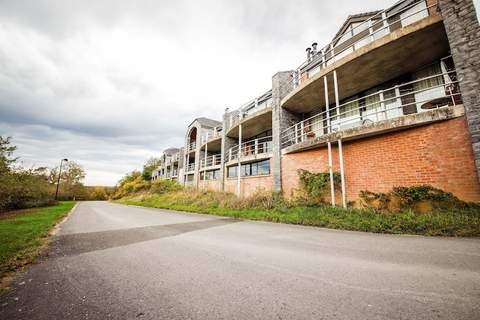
23, 232
439, 223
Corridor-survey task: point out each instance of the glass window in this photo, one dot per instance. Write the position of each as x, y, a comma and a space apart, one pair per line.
250, 169
232, 171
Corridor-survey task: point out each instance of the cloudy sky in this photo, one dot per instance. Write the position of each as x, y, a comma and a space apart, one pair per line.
110, 83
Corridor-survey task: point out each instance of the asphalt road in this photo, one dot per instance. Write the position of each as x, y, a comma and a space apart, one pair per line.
110, 261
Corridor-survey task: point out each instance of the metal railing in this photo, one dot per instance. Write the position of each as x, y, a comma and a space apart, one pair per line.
366, 32
191, 167
174, 173
251, 107
211, 135
251, 147
416, 96
212, 160
192, 146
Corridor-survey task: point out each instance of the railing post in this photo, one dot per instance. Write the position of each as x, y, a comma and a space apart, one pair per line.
324, 59
370, 29
296, 132
332, 53
302, 130
398, 96
383, 106
256, 147
385, 22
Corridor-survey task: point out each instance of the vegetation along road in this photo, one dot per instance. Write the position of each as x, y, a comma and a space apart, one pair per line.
122, 262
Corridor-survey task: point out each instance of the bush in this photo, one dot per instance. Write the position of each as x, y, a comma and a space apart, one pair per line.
162, 186
316, 184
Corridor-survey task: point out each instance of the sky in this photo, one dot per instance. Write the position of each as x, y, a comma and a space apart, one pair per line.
110, 83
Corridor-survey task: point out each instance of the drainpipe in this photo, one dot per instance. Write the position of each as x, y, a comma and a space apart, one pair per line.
329, 144
340, 151
238, 158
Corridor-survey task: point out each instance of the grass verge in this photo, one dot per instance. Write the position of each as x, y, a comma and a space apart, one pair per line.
464, 223
23, 232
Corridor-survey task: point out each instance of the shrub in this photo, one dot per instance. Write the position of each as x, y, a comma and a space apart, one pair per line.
162, 186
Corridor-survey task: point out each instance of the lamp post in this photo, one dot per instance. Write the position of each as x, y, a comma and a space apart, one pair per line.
59, 174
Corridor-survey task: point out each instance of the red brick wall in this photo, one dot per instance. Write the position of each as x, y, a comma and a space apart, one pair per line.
249, 185
210, 185
438, 154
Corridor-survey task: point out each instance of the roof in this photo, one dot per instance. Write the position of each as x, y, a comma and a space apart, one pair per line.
207, 122
355, 18
171, 151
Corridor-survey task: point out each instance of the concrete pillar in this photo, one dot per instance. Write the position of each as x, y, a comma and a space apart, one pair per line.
227, 143
461, 25
282, 84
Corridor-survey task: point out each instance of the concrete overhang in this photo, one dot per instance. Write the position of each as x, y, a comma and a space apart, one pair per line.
214, 144
253, 124
381, 127
397, 53
250, 158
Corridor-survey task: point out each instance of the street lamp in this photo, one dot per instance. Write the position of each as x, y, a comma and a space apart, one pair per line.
59, 174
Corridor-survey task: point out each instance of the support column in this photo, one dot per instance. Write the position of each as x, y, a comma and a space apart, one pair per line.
282, 84
238, 157
329, 143
461, 24
340, 151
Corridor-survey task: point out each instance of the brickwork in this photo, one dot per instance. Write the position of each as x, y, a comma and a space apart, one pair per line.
463, 31
249, 185
438, 154
215, 185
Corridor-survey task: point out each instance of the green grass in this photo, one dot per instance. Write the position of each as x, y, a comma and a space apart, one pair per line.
23, 232
452, 223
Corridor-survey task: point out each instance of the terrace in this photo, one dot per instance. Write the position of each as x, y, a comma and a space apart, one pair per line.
435, 91
259, 148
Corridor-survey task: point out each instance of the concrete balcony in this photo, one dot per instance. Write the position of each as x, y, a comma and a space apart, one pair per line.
390, 44
211, 162
433, 98
256, 149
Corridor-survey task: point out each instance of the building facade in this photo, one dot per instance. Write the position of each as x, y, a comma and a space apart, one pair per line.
392, 100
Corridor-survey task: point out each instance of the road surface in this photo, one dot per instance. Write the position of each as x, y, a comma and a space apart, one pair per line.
110, 261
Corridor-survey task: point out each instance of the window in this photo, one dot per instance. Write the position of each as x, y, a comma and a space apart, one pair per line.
250, 169
210, 175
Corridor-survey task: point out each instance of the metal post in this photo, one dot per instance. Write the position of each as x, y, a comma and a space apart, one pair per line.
256, 146
340, 153
58, 180
329, 144
342, 173
238, 157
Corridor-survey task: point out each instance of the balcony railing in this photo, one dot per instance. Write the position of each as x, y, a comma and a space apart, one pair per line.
192, 146
191, 167
213, 160
421, 95
250, 107
379, 25
252, 147
211, 135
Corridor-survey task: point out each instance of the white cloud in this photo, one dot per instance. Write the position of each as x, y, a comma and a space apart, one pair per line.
109, 83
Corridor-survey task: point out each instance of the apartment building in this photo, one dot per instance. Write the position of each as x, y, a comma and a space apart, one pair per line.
392, 100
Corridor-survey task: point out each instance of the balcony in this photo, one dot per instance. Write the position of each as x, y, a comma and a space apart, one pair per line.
420, 96
392, 42
211, 161
191, 167
192, 146
252, 149
255, 115
211, 135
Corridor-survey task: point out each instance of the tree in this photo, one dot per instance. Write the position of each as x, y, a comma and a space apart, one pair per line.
70, 179
6, 152
148, 168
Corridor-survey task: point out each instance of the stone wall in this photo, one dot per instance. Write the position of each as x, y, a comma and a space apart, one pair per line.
281, 119
463, 31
